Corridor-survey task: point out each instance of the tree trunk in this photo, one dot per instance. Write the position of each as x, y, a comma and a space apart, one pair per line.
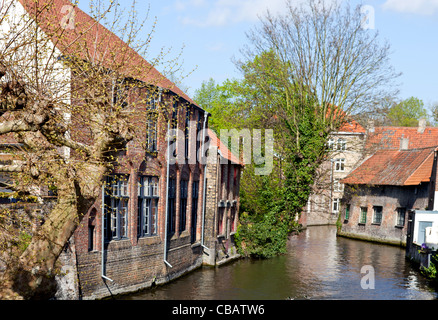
34, 275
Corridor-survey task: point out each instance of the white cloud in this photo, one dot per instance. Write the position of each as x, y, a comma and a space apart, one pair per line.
181, 5
424, 7
226, 12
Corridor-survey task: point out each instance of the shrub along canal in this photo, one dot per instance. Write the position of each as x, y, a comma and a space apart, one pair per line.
318, 265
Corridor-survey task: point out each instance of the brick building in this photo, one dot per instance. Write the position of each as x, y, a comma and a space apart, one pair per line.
222, 203
399, 174
164, 210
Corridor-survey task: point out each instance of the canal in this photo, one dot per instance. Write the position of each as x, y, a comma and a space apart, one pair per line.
318, 265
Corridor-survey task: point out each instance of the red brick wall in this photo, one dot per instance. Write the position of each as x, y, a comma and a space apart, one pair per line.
136, 263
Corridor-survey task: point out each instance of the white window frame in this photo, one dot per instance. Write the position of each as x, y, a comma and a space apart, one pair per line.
335, 205
338, 186
331, 144
342, 144
117, 212
339, 165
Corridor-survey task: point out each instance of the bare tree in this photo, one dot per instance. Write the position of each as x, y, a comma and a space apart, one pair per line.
71, 94
329, 53
316, 66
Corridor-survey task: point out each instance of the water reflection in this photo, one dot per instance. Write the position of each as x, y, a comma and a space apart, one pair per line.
318, 266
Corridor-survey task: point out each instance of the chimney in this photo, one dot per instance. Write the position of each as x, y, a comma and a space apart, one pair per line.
421, 125
370, 125
404, 143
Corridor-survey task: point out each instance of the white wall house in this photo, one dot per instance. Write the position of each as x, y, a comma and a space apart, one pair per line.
425, 228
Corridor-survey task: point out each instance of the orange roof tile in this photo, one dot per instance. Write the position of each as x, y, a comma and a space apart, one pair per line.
351, 126
389, 137
91, 40
394, 167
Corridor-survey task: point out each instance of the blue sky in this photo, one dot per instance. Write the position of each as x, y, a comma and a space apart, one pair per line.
213, 31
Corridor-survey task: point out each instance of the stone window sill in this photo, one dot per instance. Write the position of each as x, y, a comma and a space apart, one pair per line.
196, 244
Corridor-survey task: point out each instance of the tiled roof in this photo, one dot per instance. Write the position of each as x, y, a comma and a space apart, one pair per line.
394, 167
225, 152
390, 137
90, 40
351, 126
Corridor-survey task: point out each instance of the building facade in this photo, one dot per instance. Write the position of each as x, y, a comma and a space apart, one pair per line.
399, 175
222, 203
160, 212
346, 147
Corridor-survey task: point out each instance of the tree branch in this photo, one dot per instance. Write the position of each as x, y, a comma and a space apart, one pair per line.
11, 168
17, 125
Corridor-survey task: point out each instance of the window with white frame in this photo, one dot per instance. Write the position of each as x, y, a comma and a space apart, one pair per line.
338, 186
342, 144
339, 165
148, 197
336, 203
116, 207
331, 144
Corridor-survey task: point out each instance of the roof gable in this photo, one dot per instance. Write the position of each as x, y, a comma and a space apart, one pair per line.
89, 40
394, 167
351, 126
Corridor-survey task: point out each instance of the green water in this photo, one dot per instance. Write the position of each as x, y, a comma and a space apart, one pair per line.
318, 265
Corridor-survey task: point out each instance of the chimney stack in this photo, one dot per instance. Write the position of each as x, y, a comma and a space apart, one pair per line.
421, 125
404, 143
370, 125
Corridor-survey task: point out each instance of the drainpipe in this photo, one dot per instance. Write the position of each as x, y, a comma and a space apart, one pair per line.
331, 186
167, 199
206, 114
103, 236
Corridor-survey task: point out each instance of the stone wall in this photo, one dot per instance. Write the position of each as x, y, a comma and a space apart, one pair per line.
389, 198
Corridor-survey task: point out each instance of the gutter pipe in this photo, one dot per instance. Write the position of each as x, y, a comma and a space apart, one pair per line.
103, 236
206, 114
167, 199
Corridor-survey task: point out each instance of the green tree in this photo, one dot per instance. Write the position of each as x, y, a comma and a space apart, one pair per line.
407, 113
303, 72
